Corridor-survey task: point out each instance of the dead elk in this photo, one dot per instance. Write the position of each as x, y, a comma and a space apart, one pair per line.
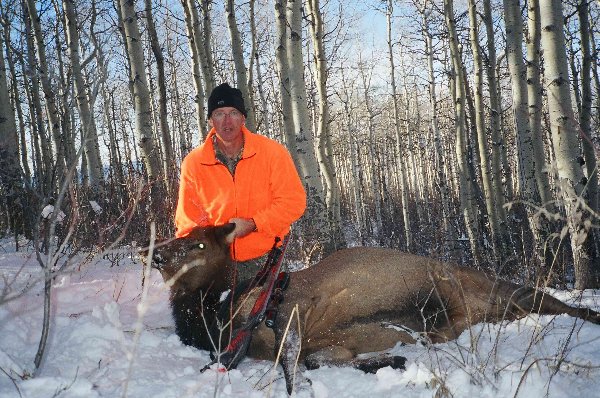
346, 302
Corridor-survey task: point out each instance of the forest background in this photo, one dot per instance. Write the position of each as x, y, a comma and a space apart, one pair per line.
464, 130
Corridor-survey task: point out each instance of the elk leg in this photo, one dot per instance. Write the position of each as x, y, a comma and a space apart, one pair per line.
340, 356
289, 355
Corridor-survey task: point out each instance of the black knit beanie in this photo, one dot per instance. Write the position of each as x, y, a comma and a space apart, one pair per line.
224, 95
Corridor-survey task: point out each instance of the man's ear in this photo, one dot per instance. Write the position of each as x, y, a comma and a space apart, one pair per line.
225, 232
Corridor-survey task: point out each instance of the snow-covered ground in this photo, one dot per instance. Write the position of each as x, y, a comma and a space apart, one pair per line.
98, 348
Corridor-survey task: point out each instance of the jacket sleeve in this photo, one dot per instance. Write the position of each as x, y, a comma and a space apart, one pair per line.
287, 193
190, 212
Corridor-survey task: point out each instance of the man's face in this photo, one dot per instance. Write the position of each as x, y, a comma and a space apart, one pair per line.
227, 122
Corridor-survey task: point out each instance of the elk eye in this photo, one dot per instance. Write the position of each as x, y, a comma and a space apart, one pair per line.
201, 246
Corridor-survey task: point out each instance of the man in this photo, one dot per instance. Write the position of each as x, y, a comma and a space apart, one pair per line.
240, 177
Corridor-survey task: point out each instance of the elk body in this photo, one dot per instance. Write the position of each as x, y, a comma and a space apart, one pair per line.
347, 302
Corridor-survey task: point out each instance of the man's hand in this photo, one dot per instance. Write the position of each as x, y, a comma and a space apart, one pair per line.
243, 226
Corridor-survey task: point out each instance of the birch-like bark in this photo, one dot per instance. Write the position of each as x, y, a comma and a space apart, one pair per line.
102, 73
535, 91
571, 180
163, 124
22, 146
64, 82
208, 70
309, 167
397, 123
35, 116
373, 180
324, 155
50, 99
585, 114
84, 100
467, 199
497, 138
196, 49
283, 69
480, 126
240, 66
141, 95
595, 71
514, 53
181, 127
357, 189
439, 153
265, 116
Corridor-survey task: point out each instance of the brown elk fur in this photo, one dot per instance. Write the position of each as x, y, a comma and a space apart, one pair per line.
346, 303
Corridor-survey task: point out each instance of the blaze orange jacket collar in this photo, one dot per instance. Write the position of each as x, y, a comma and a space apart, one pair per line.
208, 157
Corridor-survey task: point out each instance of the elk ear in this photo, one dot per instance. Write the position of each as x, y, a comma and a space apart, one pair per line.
224, 233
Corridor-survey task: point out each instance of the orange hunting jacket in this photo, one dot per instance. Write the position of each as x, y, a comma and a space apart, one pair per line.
266, 187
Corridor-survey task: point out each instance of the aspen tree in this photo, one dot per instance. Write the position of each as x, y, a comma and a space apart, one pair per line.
141, 94
466, 195
163, 124
281, 59
373, 186
196, 50
308, 165
399, 140
324, 156
240, 66
265, 116
497, 140
585, 114
518, 73
208, 70
32, 23
534, 90
439, 155
11, 181
491, 200
571, 180
16, 100
84, 101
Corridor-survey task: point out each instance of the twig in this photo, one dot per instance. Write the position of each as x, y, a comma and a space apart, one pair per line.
141, 309
12, 379
285, 333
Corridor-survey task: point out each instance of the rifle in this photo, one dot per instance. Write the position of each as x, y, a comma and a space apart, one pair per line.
269, 273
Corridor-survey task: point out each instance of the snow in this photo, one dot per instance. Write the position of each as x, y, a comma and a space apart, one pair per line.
100, 346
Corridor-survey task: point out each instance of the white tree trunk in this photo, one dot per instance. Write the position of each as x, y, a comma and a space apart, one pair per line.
571, 182
498, 143
281, 58
309, 168
240, 66
518, 73
480, 126
141, 94
585, 115
163, 123
534, 89
50, 99
467, 197
439, 152
196, 49
84, 100
399, 139
208, 70
324, 155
